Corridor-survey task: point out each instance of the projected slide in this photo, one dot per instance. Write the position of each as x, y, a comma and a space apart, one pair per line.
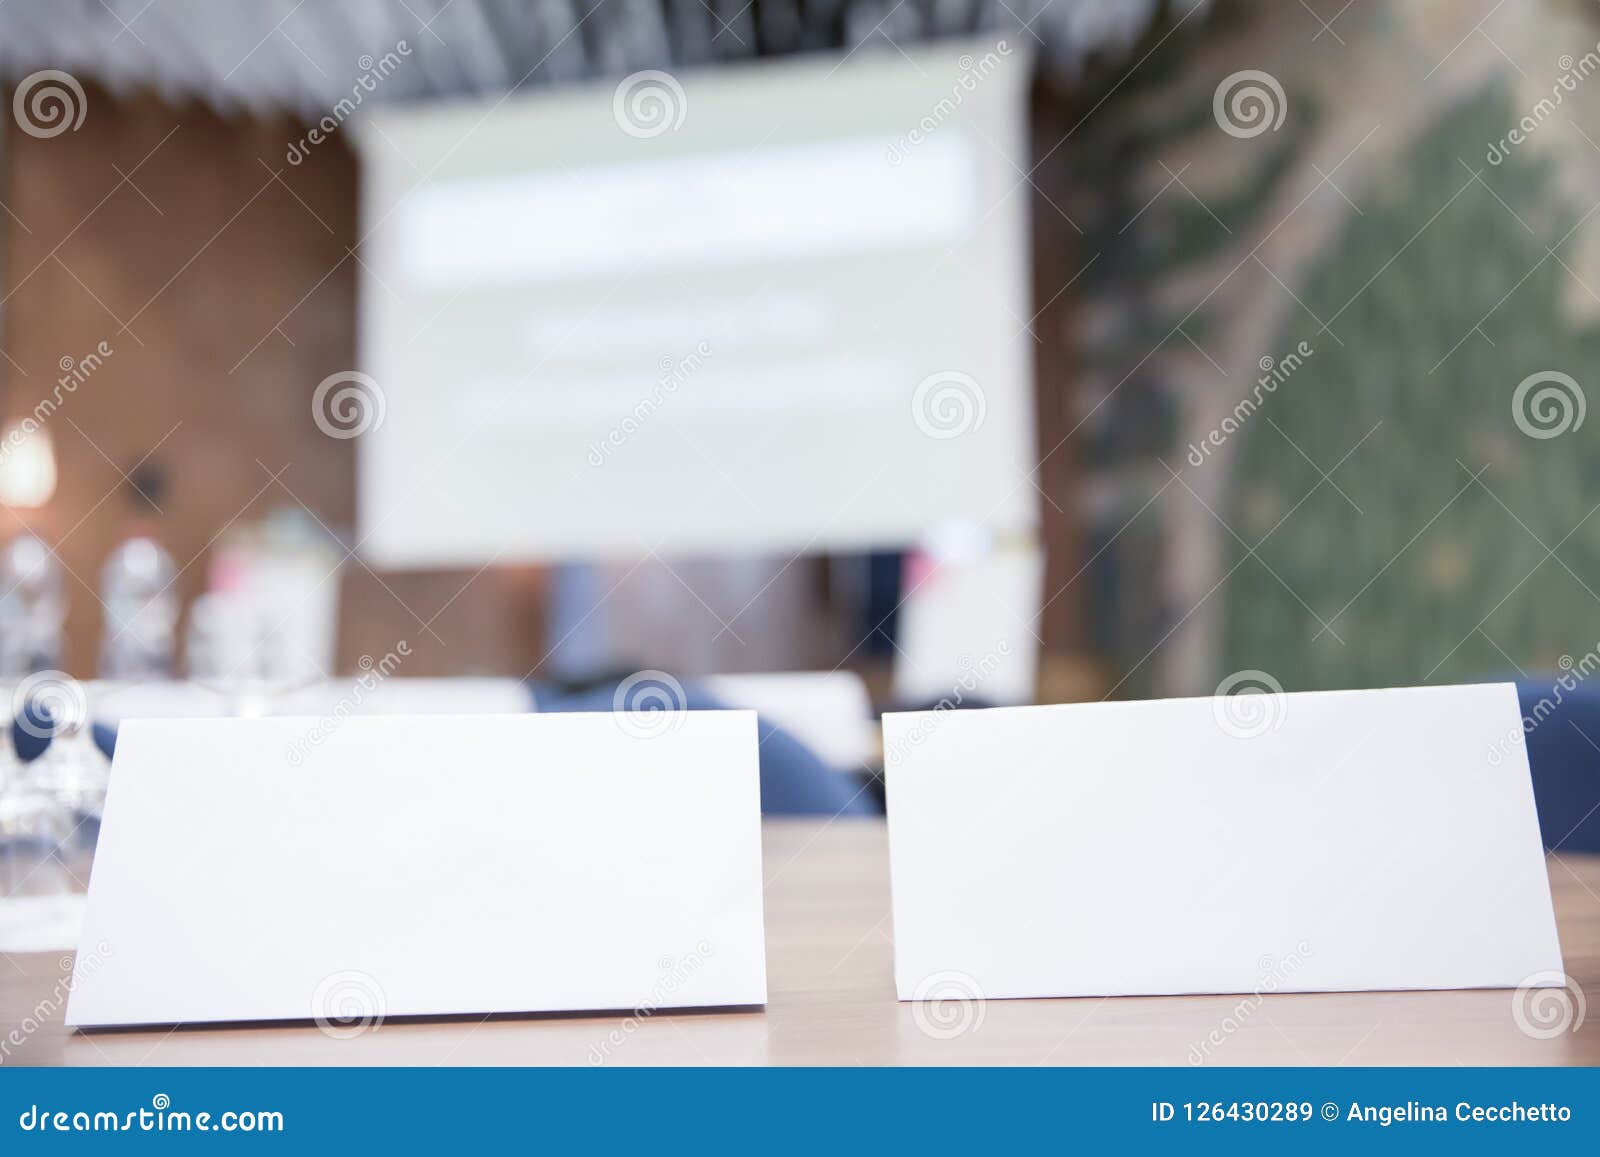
782, 309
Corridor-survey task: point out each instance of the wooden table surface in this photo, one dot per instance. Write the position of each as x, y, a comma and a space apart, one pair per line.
832, 1001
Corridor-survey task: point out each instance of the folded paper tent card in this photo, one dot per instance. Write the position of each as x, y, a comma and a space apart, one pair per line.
1323, 841
344, 871
286, 869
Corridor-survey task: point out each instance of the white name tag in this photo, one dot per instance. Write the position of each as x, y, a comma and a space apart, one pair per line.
344, 871
1324, 841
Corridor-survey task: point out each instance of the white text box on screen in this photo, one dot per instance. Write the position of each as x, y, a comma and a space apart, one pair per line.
732, 207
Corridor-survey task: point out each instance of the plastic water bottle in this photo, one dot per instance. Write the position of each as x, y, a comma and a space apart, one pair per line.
31, 610
39, 908
141, 611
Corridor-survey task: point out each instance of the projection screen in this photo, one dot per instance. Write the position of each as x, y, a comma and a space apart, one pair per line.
782, 308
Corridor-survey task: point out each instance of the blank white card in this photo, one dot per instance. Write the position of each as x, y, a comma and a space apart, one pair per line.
1306, 842
266, 869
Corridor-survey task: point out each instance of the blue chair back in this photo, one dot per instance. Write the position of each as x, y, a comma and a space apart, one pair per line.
1562, 734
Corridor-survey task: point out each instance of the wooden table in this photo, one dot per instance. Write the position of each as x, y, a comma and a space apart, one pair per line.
832, 1002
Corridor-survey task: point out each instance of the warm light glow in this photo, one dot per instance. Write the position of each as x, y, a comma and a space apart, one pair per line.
27, 465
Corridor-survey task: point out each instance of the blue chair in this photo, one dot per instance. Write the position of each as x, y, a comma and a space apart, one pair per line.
794, 781
1564, 757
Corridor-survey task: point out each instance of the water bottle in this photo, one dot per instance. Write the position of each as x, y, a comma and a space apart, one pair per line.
39, 906
31, 609
136, 587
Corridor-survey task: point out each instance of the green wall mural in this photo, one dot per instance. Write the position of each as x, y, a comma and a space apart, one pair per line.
1409, 394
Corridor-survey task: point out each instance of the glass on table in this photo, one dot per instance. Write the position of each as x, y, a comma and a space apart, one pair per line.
41, 891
